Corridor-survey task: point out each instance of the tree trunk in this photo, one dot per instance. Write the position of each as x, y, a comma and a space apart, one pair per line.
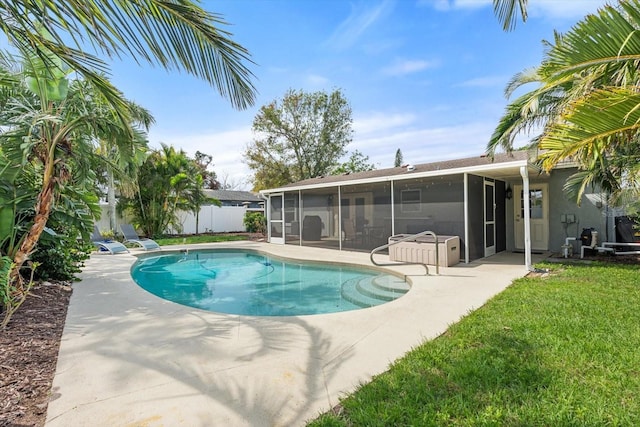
111, 197
43, 209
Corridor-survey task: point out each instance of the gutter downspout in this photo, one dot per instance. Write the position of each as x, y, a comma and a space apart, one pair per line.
339, 218
526, 199
268, 216
393, 210
466, 218
300, 217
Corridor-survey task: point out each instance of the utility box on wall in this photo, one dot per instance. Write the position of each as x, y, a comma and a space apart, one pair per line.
627, 229
423, 250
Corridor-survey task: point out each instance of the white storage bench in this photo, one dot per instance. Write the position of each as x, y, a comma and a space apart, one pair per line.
423, 250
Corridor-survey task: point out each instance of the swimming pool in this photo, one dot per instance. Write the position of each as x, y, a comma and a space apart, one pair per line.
237, 281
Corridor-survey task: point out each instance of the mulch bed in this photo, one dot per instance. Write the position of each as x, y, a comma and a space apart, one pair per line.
29, 353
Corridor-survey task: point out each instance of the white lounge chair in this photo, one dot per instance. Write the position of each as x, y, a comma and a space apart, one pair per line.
130, 235
106, 245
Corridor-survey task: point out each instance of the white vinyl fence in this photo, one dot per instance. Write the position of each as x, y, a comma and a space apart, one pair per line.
213, 219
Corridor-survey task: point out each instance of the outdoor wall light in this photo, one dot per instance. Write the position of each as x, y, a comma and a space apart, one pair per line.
508, 193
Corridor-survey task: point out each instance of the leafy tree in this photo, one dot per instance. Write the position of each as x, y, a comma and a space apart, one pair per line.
120, 169
357, 162
586, 102
301, 136
398, 162
209, 177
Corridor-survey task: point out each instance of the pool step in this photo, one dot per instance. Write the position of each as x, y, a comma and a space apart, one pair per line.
381, 291
391, 283
368, 293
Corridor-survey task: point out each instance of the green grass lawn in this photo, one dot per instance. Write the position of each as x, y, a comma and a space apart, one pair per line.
561, 350
202, 238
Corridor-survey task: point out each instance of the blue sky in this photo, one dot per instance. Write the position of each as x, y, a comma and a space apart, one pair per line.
425, 76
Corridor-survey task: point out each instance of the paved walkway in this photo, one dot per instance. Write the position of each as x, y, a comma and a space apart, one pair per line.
129, 358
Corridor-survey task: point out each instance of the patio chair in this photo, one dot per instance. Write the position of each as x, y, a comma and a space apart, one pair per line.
131, 236
350, 233
106, 245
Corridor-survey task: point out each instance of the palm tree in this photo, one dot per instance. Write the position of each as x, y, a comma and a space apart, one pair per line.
587, 102
51, 124
170, 33
168, 182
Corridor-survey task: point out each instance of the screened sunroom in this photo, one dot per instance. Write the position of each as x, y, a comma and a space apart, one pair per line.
468, 198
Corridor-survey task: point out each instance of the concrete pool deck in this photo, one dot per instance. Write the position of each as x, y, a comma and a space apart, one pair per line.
129, 358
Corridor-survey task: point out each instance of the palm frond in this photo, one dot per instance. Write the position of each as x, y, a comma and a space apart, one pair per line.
507, 12
530, 75
175, 34
600, 116
604, 42
531, 111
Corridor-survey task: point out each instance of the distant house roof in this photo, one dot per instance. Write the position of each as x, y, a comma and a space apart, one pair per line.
233, 196
502, 163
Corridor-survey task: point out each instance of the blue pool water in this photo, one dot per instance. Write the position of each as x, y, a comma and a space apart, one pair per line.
251, 283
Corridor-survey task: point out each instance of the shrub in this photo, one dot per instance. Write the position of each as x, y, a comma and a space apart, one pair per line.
255, 222
108, 234
60, 256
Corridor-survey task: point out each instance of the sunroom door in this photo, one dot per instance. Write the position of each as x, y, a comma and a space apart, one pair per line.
276, 219
489, 218
538, 214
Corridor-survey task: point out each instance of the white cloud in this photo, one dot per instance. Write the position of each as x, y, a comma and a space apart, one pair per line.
442, 5
487, 81
575, 9
471, 4
564, 9
446, 5
358, 22
379, 122
316, 80
423, 144
404, 67
277, 70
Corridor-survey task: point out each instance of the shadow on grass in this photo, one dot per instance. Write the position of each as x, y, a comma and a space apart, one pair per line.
449, 382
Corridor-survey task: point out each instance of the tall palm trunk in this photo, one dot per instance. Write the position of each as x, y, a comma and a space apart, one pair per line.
17, 289
42, 211
111, 196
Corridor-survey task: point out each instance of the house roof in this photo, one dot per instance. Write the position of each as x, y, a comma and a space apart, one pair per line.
233, 196
502, 165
